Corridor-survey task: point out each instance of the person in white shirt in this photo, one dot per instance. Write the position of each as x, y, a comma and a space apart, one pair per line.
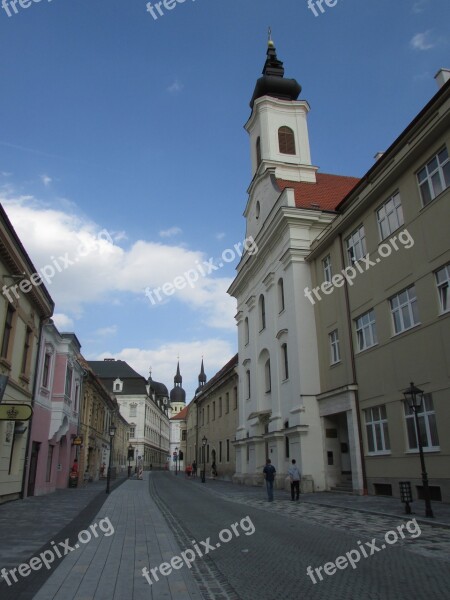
294, 474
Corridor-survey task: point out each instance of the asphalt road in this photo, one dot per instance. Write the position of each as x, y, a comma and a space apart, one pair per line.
271, 563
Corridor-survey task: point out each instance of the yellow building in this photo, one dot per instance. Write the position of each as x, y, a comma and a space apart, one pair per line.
25, 305
381, 279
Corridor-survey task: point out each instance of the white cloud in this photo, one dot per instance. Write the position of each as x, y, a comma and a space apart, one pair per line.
175, 87
105, 331
63, 322
419, 6
163, 361
109, 271
421, 41
220, 235
46, 180
165, 233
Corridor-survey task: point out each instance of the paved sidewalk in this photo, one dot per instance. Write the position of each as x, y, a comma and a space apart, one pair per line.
28, 525
378, 505
110, 567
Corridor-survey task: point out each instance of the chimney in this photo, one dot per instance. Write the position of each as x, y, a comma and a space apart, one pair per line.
442, 76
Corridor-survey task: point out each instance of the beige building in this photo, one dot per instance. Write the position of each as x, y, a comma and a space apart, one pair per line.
24, 308
380, 290
213, 414
98, 408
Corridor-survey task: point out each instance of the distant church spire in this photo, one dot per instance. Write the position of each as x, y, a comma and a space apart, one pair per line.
201, 379
202, 376
178, 380
177, 394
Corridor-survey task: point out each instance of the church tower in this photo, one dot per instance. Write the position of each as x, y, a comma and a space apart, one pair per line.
177, 394
278, 126
201, 379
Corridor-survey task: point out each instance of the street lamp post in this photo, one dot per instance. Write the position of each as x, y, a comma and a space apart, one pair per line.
130, 456
204, 442
176, 460
414, 398
112, 432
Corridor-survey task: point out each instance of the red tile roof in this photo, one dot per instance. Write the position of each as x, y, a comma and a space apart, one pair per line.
181, 415
325, 194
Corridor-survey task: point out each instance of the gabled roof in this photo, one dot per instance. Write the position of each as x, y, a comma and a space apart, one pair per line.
325, 194
182, 415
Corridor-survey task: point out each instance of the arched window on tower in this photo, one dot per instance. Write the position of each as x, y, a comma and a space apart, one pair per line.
286, 140
267, 377
258, 151
246, 331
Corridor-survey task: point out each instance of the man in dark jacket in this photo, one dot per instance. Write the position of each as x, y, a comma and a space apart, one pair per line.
269, 474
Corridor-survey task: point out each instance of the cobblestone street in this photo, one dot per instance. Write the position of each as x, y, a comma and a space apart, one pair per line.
163, 516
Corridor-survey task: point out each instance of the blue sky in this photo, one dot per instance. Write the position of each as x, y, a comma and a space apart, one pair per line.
113, 121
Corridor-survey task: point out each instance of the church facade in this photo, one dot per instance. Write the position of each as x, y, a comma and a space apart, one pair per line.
289, 205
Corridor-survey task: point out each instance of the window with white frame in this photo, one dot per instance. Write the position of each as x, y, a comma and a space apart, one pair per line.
133, 410
132, 432
68, 386
405, 313
443, 283
390, 216
327, 272
366, 332
356, 245
427, 425
334, 347
46, 370
377, 430
434, 177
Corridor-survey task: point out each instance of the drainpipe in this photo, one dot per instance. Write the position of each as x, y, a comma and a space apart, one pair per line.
353, 365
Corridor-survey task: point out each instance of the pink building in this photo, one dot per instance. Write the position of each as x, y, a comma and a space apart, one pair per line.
56, 409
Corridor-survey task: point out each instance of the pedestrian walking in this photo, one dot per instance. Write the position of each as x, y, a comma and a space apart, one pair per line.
75, 466
194, 469
295, 477
269, 474
140, 468
188, 471
86, 477
214, 470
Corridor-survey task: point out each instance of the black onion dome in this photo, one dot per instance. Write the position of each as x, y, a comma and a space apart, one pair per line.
177, 395
273, 82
